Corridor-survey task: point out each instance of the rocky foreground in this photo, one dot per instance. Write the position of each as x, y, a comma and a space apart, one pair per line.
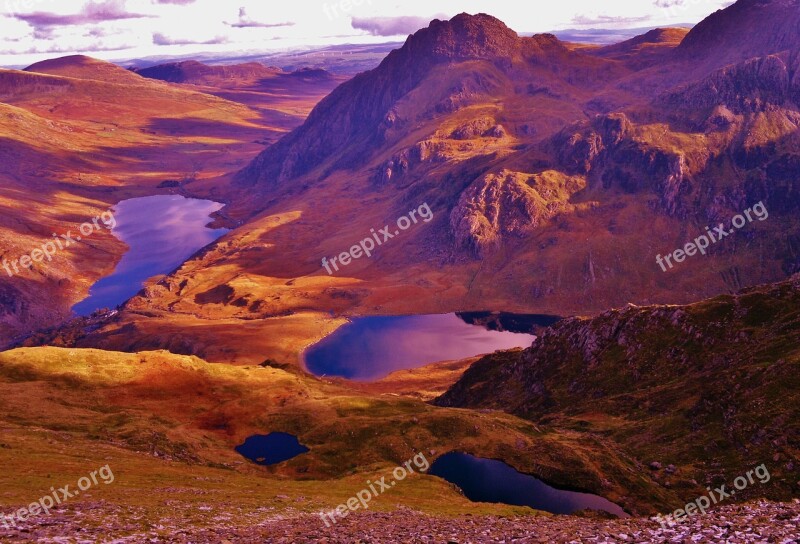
748, 523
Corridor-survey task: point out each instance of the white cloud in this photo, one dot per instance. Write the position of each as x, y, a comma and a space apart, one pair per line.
250, 25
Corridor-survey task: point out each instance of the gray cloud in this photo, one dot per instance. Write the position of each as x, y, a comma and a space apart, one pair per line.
91, 13
161, 39
246, 22
668, 3
392, 26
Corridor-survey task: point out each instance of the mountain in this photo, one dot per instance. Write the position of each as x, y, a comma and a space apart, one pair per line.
646, 49
710, 388
559, 180
606, 37
557, 176
197, 73
745, 29
269, 90
365, 113
83, 67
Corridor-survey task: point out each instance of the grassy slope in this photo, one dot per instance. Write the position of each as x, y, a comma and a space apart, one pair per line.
191, 414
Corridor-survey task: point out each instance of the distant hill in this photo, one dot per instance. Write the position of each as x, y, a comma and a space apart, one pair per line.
83, 67
197, 73
602, 36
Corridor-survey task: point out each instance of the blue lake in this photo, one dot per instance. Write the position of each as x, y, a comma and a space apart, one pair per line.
161, 232
487, 480
369, 348
272, 448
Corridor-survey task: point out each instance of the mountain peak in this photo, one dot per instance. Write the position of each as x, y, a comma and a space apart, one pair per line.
464, 36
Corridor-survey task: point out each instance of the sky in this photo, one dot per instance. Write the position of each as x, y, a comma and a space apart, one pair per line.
34, 30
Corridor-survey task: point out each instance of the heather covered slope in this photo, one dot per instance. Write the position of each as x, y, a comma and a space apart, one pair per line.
712, 388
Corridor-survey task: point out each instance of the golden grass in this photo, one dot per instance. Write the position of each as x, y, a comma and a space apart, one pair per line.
93, 405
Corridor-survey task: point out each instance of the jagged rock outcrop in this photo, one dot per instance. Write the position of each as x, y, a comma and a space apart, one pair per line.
407, 160
506, 205
607, 152
750, 87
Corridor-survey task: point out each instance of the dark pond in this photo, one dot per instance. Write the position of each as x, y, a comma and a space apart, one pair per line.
272, 448
161, 231
369, 348
487, 480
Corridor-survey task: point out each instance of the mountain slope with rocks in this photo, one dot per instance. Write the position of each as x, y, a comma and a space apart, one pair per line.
711, 388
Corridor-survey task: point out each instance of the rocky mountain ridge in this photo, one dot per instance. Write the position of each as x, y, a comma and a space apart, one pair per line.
712, 386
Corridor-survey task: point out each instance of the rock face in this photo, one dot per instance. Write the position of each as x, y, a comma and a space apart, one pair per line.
404, 162
651, 367
749, 87
508, 205
608, 153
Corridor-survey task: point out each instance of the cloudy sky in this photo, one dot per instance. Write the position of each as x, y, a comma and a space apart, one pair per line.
33, 30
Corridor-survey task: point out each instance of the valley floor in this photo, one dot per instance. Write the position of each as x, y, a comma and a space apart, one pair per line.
757, 522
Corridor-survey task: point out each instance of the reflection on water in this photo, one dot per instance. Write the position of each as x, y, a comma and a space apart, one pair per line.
162, 232
506, 321
487, 480
369, 348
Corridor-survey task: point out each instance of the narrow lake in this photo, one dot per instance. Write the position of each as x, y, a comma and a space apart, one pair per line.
487, 480
369, 348
161, 231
